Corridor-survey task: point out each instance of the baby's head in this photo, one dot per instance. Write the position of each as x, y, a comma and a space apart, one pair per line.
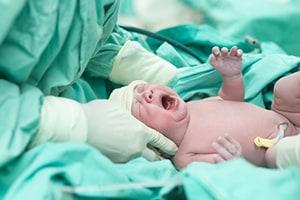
155, 105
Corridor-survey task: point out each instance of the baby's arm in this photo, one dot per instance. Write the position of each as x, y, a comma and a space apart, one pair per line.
229, 64
181, 160
226, 148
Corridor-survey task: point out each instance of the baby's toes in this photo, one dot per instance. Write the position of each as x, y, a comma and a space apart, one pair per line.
233, 51
239, 53
215, 51
213, 60
224, 52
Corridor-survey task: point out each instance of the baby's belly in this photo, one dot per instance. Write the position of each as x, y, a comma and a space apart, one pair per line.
244, 122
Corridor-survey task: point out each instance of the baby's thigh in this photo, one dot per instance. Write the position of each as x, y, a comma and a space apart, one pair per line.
286, 99
287, 93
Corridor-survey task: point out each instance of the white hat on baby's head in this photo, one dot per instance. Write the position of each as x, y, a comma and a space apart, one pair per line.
124, 97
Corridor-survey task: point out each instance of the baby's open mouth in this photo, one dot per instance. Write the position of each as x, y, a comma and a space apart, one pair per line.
168, 102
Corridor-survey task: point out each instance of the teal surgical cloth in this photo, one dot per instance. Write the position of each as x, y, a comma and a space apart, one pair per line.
72, 171
266, 20
36, 35
61, 48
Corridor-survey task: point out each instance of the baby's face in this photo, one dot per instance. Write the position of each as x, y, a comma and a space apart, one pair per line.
158, 107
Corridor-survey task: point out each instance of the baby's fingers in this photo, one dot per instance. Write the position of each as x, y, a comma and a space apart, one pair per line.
236, 149
222, 151
227, 144
218, 159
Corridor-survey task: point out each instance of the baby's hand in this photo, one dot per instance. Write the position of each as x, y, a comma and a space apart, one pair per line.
227, 148
227, 63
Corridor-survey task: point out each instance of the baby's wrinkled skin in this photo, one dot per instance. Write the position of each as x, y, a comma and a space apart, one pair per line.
198, 127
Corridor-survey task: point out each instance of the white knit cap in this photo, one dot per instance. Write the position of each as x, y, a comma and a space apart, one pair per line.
124, 97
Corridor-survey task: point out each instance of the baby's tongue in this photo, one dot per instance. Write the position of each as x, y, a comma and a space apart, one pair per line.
167, 102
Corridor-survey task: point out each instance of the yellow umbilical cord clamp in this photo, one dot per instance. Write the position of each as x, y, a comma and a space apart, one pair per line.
262, 142
267, 143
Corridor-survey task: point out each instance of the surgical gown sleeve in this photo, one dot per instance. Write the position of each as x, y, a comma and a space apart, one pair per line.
123, 59
19, 118
44, 49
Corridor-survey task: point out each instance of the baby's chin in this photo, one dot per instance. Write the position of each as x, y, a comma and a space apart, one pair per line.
182, 111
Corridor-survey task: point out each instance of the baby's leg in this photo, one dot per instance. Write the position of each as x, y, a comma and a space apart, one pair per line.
286, 100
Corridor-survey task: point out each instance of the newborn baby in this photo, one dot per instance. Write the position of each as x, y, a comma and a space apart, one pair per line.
196, 125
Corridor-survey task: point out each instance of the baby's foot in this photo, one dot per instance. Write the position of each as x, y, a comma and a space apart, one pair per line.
227, 63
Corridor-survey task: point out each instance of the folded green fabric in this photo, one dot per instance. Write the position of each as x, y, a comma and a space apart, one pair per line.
72, 171
268, 20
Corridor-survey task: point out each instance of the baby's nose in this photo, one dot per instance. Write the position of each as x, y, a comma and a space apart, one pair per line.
148, 95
